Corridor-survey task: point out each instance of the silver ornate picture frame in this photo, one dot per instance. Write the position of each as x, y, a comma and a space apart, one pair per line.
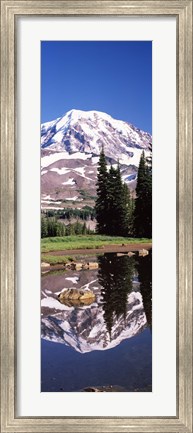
182, 10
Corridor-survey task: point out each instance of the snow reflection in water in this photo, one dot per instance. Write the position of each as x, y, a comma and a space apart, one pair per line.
122, 309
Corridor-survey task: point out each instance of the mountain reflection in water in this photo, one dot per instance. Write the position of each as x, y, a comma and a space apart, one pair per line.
122, 309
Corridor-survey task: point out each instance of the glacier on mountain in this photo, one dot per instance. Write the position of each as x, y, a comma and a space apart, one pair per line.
91, 129
70, 149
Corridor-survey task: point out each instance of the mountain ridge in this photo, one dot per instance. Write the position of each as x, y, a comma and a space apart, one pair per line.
70, 149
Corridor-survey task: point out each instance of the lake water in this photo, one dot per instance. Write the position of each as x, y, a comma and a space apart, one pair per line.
107, 343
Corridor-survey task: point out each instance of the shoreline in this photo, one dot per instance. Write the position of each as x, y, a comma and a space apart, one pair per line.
106, 249
80, 253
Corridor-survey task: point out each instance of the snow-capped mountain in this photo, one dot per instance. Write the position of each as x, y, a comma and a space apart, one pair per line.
70, 148
85, 328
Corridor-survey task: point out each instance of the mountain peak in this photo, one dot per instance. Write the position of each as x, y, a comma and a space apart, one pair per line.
94, 129
71, 146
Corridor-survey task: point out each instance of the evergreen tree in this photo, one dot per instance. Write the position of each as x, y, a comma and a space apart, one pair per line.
84, 229
127, 212
70, 230
78, 228
143, 202
44, 227
51, 228
131, 215
114, 207
102, 200
117, 204
60, 229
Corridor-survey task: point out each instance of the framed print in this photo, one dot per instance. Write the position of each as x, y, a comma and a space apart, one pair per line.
98, 79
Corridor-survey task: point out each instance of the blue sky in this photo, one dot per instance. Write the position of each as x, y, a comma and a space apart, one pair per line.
110, 76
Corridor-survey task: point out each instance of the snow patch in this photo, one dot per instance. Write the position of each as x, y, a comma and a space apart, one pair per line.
70, 181
50, 207
50, 202
80, 170
53, 157
86, 286
50, 302
134, 160
73, 279
60, 171
95, 160
57, 156
46, 197
72, 198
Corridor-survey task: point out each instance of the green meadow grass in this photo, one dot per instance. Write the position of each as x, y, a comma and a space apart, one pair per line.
86, 242
56, 260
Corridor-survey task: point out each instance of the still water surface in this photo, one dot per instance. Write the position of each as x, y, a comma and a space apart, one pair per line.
107, 343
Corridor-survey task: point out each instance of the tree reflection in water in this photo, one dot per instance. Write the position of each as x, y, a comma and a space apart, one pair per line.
115, 276
144, 269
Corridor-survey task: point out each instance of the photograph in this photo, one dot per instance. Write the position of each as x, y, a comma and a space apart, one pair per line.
96, 216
